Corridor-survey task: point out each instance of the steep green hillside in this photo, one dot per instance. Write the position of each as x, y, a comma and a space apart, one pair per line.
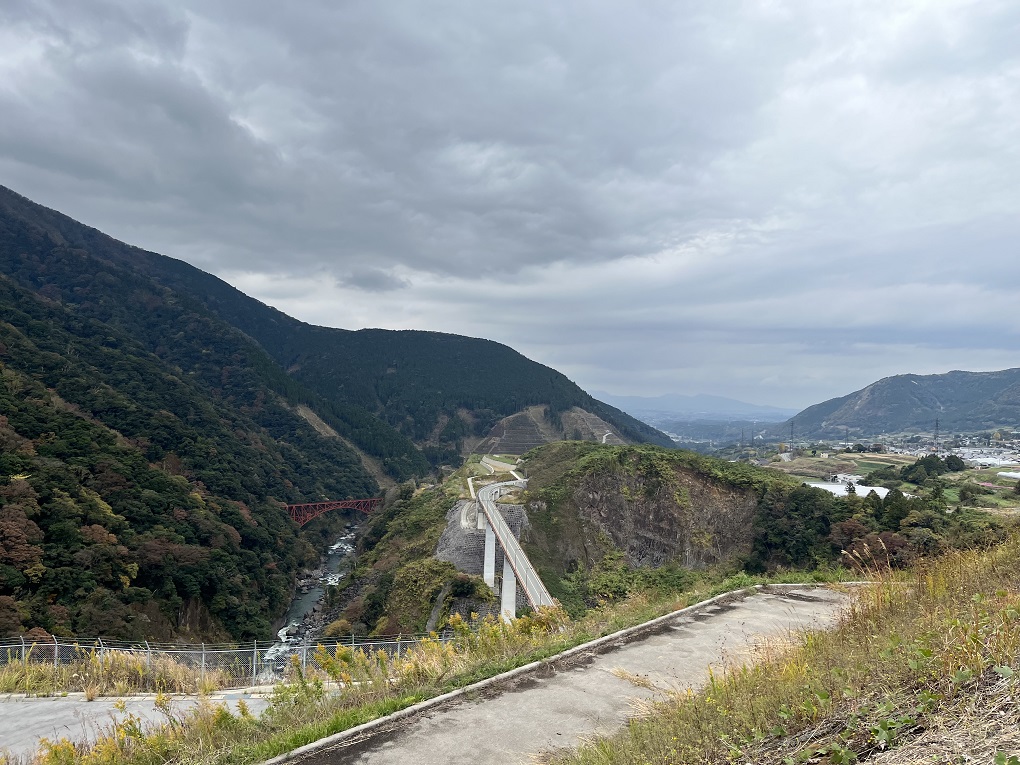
105, 280
191, 413
603, 517
962, 401
137, 500
437, 389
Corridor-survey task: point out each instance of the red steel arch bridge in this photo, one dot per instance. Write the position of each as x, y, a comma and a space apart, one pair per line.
302, 514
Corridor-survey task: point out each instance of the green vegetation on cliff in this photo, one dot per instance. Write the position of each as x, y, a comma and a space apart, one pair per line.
397, 577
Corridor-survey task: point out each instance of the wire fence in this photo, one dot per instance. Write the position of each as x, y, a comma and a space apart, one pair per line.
31, 665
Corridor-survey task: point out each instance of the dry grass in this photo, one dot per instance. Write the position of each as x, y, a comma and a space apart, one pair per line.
920, 667
370, 685
115, 673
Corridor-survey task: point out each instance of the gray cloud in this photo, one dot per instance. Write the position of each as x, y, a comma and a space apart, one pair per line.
375, 280
780, 201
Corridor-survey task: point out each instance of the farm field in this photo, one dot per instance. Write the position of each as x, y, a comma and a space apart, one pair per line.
1000, 498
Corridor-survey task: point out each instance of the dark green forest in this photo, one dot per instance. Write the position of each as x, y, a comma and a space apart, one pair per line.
433, 388
134, 501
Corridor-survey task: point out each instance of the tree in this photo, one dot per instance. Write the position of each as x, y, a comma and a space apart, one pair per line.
968, 492
954, 464
936, 495
895, 507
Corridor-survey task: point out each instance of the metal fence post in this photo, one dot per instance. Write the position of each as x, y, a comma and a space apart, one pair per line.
102, 650
304, 653
254, 661
56, 652
148, 656
398, 644
203, 663
24, 660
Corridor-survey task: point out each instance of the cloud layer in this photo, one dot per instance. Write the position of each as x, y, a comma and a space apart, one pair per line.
776, 201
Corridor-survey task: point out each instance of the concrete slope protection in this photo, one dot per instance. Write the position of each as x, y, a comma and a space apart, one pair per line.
589, 690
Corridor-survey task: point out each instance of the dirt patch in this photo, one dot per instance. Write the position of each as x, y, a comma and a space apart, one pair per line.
372, 465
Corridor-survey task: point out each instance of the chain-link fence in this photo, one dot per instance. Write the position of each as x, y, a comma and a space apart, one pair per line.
54, 664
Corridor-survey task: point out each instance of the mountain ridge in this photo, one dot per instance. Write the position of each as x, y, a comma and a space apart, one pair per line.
960, 400
699, 406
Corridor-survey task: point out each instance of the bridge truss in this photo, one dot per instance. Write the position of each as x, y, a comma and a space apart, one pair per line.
302, 514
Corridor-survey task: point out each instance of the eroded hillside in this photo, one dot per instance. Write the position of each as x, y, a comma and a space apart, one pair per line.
654, 506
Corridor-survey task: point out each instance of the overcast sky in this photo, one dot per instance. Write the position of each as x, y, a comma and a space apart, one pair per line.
779, 202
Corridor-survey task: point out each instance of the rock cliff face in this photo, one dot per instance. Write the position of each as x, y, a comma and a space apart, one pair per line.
654, 506
690, 520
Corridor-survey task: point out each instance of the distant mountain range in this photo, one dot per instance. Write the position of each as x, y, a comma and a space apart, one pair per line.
674, 406
961, 401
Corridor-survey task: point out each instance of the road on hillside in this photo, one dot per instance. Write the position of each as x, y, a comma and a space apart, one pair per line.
589, 695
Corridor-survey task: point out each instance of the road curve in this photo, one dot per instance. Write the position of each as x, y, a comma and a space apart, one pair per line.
565, 701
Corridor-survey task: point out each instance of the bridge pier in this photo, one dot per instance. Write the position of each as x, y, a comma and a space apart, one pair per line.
508, 598
514, 559
489, 561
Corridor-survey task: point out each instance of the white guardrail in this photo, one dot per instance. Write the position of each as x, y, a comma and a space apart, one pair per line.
534, 590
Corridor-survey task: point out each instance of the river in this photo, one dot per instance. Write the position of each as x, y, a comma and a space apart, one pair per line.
311, 592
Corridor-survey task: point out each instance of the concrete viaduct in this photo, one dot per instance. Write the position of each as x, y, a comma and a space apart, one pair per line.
516, 566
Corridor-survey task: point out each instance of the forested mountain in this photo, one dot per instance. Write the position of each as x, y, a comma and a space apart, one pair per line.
962, 401
417, 382
154, 420
138, 499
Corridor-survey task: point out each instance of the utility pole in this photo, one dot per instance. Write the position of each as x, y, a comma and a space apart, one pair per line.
936, 435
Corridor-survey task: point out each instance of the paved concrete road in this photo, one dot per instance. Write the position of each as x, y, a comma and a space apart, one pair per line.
589, 696
24, 721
